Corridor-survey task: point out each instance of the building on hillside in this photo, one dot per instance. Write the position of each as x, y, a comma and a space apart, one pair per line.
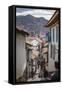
53, 40
45, 52
20, 52
29, 60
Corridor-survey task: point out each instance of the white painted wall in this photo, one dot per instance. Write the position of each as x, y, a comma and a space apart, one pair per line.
51, 66
20, 55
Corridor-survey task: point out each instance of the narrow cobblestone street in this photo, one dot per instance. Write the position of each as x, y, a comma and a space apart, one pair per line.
36, 77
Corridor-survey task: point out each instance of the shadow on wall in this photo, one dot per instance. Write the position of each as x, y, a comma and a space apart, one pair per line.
22, 78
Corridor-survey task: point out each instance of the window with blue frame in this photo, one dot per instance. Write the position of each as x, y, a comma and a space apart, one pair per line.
49, 36
57, 34
53, 34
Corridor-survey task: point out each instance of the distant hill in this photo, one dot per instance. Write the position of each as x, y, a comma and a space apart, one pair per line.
32, 24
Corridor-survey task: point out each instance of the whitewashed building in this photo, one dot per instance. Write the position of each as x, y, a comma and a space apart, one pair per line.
53, 38
20, 52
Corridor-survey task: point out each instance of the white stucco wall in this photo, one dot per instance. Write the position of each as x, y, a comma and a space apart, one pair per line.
51, 66
20, 55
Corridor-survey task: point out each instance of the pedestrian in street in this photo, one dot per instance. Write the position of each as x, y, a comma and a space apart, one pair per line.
38, 63
32, 72
45, 73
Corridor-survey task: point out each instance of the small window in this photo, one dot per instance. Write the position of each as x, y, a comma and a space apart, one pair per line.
49, 36
57, 34
54, 52
53, 34
51, 51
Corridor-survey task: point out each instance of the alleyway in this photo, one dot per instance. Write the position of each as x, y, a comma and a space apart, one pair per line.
36, 77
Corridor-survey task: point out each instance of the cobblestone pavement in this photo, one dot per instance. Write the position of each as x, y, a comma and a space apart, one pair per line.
35, 77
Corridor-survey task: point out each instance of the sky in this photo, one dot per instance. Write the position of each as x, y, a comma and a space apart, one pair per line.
47, 14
